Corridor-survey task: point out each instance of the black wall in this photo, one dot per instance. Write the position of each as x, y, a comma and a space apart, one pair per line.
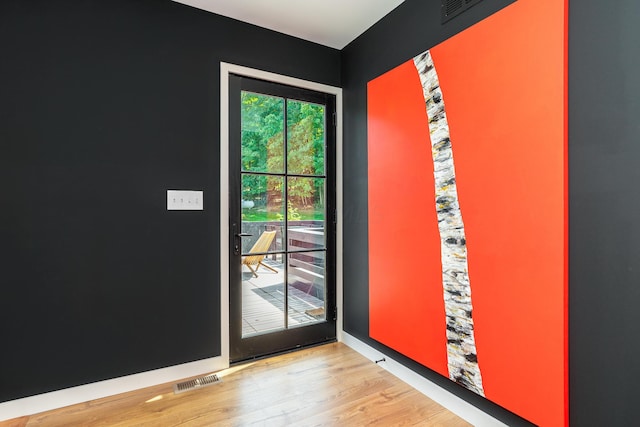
104, 105
604, 177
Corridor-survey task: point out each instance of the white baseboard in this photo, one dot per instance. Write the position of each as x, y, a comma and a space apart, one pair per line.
84, 393
453, 403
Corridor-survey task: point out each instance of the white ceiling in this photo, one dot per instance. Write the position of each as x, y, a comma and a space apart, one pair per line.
333, 23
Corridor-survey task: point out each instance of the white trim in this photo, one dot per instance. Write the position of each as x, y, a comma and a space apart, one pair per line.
225, 70
224, 213
84, 393
453, 403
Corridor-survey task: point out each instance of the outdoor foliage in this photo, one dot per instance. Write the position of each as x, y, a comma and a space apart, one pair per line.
263, 144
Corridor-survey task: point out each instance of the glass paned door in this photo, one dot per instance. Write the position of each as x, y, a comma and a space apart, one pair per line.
282, 194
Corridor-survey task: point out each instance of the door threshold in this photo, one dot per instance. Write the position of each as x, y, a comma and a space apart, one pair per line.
280, 352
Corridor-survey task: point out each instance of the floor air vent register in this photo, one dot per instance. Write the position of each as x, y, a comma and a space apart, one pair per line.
453, 8
196, 383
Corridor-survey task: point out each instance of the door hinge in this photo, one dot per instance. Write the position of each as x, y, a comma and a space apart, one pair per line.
335, 313
335, 120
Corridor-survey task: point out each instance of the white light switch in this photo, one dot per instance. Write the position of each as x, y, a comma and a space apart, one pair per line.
184, 200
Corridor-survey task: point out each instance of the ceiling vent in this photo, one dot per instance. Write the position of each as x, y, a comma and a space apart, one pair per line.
452, 8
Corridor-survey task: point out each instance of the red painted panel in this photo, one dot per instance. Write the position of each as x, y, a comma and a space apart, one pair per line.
406, 302
504, 87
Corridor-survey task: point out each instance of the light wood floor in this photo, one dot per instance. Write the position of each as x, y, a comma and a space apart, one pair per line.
330, 385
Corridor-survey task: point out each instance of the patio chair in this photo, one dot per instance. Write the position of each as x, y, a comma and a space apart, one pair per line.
262, 245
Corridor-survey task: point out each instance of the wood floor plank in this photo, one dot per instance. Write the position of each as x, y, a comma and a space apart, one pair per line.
16, 422
329, 385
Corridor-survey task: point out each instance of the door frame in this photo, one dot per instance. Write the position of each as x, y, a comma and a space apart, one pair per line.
225, 70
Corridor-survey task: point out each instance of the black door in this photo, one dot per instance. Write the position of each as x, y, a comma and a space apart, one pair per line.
282, 217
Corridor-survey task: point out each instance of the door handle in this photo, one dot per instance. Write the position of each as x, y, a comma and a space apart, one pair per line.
236, 239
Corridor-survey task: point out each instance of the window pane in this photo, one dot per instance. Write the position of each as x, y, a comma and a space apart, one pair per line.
306, 138
262, 211
306, 288
305, 213
263, 297
262, 121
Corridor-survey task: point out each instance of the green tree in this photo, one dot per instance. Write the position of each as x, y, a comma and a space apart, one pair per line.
262, 123
263, 147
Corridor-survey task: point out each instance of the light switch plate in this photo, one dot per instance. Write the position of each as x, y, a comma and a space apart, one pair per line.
185, 200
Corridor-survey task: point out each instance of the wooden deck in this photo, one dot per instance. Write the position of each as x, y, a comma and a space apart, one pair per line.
263, 301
